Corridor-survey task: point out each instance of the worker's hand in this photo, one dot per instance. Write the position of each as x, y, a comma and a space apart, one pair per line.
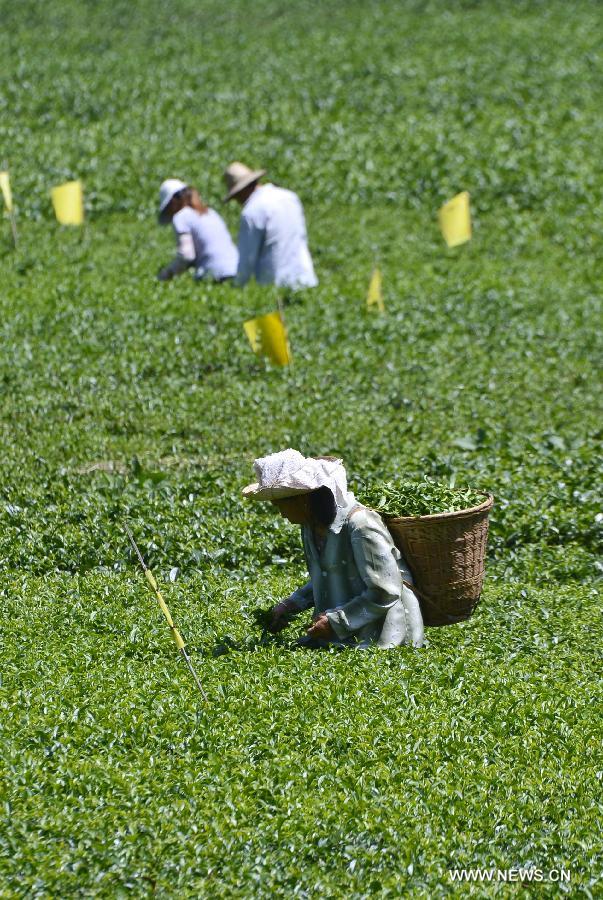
321, 628
164, 275
280, 616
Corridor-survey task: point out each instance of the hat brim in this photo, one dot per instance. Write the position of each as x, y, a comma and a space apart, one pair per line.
243, 183
255, 492
162, 216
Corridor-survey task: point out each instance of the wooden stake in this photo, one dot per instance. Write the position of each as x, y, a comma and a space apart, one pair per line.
13, 227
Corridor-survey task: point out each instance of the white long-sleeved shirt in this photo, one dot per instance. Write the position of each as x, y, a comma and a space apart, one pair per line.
273, 243
203, 242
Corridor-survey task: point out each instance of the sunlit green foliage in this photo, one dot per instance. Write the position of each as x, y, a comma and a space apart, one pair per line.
418, 498
330, 774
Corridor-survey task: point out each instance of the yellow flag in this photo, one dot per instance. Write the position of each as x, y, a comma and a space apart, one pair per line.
6, 191
68, 202
268, 336
374, 296
455, 220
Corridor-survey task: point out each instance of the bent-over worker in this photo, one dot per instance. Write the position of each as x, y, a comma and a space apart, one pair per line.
203, 240
356, 573
273, 243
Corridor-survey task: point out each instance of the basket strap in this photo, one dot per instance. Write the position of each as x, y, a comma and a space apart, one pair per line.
414, 589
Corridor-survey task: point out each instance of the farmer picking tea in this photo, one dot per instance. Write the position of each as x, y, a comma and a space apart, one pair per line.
273, 243
356, 573
202, 238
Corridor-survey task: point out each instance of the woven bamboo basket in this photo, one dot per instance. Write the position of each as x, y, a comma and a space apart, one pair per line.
446, 554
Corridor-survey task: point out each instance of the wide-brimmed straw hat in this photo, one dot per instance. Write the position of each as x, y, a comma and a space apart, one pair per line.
289, 473
238, 176
168, 189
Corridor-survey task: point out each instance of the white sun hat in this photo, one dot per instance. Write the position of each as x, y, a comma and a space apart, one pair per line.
167, 189
239, 176
289, 473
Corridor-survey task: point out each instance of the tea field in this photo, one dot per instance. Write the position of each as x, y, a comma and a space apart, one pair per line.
305, 775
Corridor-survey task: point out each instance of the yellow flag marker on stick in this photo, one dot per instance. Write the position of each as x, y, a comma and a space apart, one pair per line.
455, 220
6, 191
374, 296
8, 201
268, 337
68, 202
157, 593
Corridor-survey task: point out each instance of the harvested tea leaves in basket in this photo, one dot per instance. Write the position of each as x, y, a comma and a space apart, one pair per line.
417, 498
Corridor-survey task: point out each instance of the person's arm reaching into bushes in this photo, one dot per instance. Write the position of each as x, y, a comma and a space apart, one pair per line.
250, 244
184, 259
283, 612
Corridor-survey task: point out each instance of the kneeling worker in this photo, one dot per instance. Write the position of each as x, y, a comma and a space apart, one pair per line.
273, 243
355, 570
203, 240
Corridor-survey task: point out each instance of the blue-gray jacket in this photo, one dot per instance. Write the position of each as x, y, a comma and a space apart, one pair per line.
357, 581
